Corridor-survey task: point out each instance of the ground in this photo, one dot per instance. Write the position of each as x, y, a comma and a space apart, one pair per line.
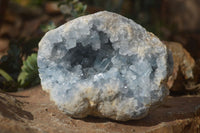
32, 111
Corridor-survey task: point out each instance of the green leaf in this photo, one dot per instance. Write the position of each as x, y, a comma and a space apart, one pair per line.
29, 75
6, 75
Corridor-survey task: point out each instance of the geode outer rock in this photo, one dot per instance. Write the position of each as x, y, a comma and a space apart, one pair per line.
103, 65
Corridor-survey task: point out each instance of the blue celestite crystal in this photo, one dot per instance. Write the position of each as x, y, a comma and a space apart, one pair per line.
103, 65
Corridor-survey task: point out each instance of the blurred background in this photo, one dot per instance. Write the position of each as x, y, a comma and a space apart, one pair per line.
24, 22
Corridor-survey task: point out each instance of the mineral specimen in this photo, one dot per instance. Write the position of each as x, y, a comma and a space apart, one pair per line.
103, 65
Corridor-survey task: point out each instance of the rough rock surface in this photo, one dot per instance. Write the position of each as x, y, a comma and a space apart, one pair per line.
103, 65
31, 111
182, 68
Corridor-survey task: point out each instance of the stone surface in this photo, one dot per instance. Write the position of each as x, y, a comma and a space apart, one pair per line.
182, 68
31, 111
103, 65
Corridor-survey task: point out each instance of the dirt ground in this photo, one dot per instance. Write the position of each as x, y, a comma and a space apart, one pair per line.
31, 111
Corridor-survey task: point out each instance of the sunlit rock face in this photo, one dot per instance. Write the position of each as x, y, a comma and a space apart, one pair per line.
103, 65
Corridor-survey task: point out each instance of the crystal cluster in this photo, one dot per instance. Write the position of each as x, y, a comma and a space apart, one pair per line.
103, 65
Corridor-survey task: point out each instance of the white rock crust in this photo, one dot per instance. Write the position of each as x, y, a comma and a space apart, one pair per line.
103, 65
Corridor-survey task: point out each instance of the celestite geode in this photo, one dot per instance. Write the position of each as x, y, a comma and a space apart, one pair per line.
103, 65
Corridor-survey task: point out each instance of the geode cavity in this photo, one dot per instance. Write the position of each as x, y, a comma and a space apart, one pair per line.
103, 65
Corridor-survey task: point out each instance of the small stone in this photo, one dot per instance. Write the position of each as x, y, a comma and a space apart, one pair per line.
52, 8
103, 65
182, 68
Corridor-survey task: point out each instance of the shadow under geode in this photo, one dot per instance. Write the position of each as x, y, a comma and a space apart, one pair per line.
175, 108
